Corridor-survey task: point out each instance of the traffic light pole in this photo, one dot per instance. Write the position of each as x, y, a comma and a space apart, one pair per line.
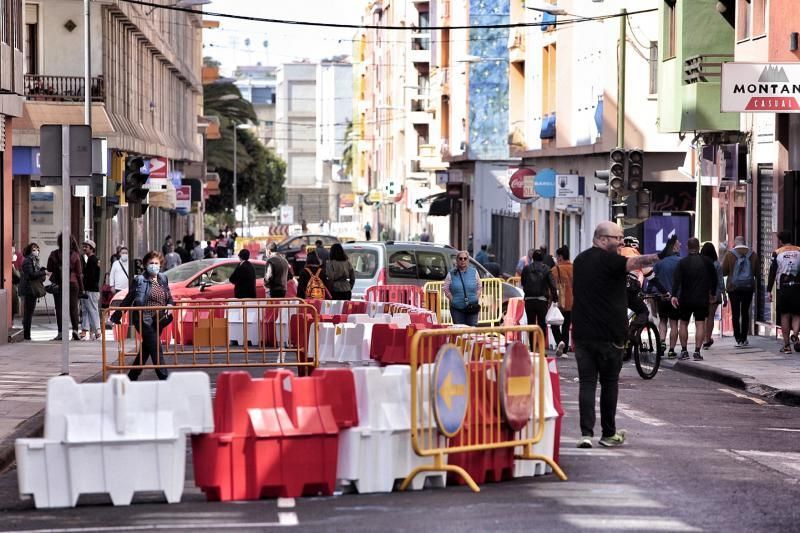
66, 252
623, 42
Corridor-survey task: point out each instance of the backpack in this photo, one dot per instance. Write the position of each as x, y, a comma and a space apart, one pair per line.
316, 288
534, 283
743, 272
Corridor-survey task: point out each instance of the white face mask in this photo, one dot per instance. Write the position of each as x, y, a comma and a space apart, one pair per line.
14, 258
35, 253
123, 258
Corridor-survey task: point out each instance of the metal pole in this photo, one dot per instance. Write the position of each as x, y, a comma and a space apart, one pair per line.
235, 198
623, 41
66, 195
87, 63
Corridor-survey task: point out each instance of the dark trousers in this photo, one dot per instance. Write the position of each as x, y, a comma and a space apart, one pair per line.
151, 349
604, 360
341, 295
740, 310
536, 311
466, 319
561, 333
73, 307
277, 293
28, 307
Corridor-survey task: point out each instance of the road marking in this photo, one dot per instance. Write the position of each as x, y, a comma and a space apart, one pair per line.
619, 523
787, 463
639, 416
287, 519
285, 503
163, 527
759, 401
783, 429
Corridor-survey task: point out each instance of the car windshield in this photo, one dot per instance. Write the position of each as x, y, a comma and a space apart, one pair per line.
187, 270
364, 261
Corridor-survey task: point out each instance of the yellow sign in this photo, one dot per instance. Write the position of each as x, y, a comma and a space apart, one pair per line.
447, 390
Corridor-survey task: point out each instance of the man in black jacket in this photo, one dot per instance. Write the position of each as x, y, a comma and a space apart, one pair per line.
694, 284
539, 287
244, 277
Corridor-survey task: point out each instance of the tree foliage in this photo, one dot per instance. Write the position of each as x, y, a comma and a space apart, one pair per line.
260, 172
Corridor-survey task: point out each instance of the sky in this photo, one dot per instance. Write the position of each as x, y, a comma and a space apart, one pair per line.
285, 43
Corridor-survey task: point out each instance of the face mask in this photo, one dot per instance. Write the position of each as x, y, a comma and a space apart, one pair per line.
123, 258
14, 258
35, 253
153, 268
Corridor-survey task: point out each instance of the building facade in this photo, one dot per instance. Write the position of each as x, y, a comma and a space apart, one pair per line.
258, 86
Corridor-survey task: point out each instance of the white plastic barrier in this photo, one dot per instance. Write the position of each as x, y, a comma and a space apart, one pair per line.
326, 343
379, 318
377, 453
116, 437
332, 307
354, 343
374, 308
401, 319
243, 326
546, 446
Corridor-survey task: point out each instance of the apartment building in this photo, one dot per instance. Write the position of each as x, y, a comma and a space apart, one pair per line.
146, 98
11, 99
258, 85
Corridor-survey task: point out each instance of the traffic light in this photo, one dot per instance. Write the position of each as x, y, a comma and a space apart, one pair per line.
635, 174
617, 171
602, 185
135, 179
643, 198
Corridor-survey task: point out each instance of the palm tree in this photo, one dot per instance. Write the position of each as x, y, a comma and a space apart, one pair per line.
347, 153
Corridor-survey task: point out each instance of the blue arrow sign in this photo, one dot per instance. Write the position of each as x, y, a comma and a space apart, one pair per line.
450, 395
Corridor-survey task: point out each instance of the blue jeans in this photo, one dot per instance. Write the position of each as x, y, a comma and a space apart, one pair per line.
460, 317
604, 360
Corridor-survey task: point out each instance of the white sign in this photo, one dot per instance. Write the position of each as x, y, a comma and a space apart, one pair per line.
760, 88
567, 186
287, 214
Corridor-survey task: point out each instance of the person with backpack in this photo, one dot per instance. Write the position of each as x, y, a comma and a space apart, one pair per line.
539, 288
243, 277
695, 287
313, 283
784, 271
739, 266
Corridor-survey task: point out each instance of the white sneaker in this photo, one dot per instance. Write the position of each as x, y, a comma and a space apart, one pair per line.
560, 349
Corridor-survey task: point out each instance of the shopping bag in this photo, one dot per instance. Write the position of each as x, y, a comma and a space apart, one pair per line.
554, 316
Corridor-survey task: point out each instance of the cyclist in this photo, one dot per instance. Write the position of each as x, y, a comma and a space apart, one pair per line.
633, 283
785, 271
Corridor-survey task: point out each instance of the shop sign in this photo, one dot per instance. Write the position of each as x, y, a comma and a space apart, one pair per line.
760, 88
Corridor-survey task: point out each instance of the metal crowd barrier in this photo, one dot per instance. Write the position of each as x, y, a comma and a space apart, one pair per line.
216, 333
491, 312
515, 281
484, 425
401, 294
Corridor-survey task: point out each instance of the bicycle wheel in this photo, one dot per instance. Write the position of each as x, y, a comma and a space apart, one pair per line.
647, 351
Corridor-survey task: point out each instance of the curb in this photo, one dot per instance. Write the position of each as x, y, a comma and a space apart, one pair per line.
789, 397
31, 428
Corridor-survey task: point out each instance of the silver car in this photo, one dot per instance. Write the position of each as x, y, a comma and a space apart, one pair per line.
407, 263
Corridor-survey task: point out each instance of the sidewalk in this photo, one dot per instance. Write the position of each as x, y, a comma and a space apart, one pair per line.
25, 368
758, 368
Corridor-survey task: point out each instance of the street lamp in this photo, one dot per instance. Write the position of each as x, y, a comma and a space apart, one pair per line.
235, 191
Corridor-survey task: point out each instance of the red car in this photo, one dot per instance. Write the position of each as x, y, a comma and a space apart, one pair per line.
206, 279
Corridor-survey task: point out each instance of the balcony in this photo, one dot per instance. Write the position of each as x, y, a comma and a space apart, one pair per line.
420, 47
419, 110
62, 88
704, 68
430, 158
516, 45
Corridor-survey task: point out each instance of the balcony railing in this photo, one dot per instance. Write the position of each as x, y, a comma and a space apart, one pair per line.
62, 88
704, 68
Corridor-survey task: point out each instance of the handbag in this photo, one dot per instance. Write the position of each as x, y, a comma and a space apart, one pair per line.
37, 288
554, 316
470, 309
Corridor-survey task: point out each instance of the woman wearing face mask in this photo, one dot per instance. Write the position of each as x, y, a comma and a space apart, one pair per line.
150, 289
31, 286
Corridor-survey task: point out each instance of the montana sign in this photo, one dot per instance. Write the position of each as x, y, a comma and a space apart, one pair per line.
760, 88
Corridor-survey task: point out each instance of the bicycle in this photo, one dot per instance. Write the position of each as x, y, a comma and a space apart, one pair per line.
644, 345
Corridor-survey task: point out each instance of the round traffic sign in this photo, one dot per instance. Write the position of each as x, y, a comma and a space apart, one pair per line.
451, 390
516, 385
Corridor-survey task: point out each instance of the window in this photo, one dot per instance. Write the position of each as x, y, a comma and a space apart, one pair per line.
653, 64
743, 19
217, 275
261, 270
431, 266
549, 79
403, 265
670, 23
327, 240
31, 39
365, 262
759, 18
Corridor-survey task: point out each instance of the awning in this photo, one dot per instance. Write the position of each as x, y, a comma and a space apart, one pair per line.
441, 205
36, 114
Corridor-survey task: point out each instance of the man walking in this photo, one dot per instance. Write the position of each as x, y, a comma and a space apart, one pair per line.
90, 312
739, 266
322, 253
785, 270
539, 288
562, 273
694, 286
600, 326
664, 272
243, 277
277, 277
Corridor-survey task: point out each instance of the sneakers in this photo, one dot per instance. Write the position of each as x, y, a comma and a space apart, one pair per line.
785, 349
617, 439
684, 355
560, 349
744, 343
671, 354
707, 344
796, 341
585, 442
697, 357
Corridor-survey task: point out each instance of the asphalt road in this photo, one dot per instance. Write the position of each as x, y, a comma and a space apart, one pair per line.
699, 458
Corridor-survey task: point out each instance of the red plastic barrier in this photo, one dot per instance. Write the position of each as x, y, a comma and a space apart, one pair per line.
354, 307
425, 319
481, 425
400, 294
555, 384
299, 325
391, 344
276, 436
317, 303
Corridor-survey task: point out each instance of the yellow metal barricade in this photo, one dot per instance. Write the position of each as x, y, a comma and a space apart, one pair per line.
214, 334
483, 427
514, 281
491, 312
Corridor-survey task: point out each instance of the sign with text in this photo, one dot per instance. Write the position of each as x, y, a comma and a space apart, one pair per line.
568, 186
760, 88
183, 198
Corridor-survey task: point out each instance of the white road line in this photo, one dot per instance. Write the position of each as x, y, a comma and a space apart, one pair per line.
287, 519
639, 416
787, 463
759, 401
790, 430
161, 527
620, 523
285, 503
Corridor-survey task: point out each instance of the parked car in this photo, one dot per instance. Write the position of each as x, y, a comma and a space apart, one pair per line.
407, 263
291, 245
206, 279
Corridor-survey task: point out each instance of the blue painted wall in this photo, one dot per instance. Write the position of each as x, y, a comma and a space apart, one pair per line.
488, 80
